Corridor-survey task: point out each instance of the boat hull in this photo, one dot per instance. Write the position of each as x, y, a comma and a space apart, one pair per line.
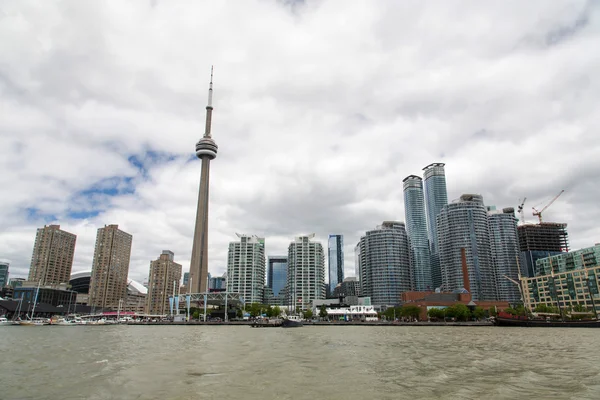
288, 323
547, 324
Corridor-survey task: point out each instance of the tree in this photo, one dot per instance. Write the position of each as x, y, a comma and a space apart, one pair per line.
269, 311
276, 311
196, 314
308, 314
458, 311
492, 311
390, 312
436, 313
478, 313
239, 313
411, 311
323, 312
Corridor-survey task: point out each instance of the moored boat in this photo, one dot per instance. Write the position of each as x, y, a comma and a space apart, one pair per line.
291, 321
506, 319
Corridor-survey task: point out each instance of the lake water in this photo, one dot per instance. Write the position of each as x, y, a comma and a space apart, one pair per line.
313, 362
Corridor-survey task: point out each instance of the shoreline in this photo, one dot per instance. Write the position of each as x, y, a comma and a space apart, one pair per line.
247, 323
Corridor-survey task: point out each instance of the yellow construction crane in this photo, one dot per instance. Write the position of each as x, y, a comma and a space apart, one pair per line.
520, 210
539, 213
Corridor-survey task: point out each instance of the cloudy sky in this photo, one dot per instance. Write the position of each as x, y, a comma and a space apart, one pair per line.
321, 109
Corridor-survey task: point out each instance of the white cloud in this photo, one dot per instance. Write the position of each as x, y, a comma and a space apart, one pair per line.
321, 109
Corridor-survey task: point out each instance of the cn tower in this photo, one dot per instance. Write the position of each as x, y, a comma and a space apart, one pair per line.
206, 150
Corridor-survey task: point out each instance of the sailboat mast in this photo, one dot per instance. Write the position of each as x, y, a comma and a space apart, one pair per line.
37, 292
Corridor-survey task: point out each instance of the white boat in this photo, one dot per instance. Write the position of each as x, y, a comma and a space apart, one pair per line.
35, 322
64, 322
4, 321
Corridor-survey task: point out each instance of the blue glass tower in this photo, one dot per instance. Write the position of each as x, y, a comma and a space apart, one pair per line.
416, 227
277, 273
436, 197
335, 255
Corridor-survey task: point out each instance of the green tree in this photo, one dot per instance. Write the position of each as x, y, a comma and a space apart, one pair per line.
276, 311
239, 313
323, 311
308, 314
411, 311
390, 312
478, 313
492, 311
196, 314
269, 311
458, 311
436, 313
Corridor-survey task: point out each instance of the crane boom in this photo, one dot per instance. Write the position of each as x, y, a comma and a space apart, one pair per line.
520, 210
539, 213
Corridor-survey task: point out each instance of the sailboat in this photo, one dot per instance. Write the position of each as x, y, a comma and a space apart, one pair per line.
35, 321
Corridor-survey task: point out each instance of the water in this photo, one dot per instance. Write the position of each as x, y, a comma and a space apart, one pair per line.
237, 362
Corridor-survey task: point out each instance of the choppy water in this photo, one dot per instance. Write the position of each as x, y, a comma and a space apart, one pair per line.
227, 362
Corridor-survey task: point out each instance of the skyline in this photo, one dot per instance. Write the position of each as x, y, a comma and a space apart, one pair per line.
100, 121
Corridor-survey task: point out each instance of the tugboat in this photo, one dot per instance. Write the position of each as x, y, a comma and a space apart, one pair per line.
291, 321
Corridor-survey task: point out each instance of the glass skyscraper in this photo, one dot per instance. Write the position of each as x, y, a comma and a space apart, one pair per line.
3, 274
505, 250
436, 197
277, 273
416, 227
335, 254
384, 263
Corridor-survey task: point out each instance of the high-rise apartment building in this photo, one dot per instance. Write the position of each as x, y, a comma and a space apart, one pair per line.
217, 283
246, 268
505, 251
3, 273
385, 263
436, 197
277, 273
416, 227
538, 241
464, 224
110, 267
52, 257
335, 255
164, 278
306, 272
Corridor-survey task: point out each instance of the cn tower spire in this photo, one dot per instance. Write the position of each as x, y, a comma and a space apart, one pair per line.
206, 150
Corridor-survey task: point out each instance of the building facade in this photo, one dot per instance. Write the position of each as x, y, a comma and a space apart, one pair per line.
464, 224
246, 268
349, 287
110, 267
54, 295
436, 197
52, 257
277, 273
80, 283
164, 278
564, 262
385, 263
505, 251
306, 272
335, 257
217, 283
416, 228
538, 241
4, 273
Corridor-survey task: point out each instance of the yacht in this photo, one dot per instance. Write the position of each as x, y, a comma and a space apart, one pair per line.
292, 321
4, 321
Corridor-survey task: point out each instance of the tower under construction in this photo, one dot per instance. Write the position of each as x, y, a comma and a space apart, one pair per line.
539, 241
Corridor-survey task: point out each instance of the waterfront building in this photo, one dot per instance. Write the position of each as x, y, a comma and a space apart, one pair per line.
573, 260
441, 300
54, 295
335, 256
349, 287
52, 257
17, 282
206, 150
436, 197
4, 273
110, 267
384, 263
416, 228
163, 279
463, 224
277, 273
136, 299
505, 252
80, 283
538, 241
246, 268
306, 272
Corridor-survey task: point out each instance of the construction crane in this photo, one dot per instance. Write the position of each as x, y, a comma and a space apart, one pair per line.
539, 213
520, 210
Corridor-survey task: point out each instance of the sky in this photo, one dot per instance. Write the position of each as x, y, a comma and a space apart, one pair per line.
321, 109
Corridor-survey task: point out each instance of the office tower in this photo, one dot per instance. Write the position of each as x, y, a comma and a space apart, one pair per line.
464, 224
416, 228
384, 263
164, 279
349, 287
335, 253
246, 268
3, 274
306, 272
277, 273
505, 251
52, 257
538, 241
110, 267
206, 150
436, 197
186, 278
217, 283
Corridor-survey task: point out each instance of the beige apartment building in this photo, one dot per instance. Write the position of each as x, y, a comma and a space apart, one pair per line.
52, 257
165, 274
108, 284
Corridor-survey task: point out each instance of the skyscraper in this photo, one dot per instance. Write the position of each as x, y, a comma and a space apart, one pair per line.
537, 241
384, 263
163, 278
110, 267
436, 197
505, 251
206, 150
464, 224
52, 257
277, 273
306, 272
3, 273
416, 227
246, 268
335, 253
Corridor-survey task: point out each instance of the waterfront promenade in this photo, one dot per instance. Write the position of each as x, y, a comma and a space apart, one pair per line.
324, 323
